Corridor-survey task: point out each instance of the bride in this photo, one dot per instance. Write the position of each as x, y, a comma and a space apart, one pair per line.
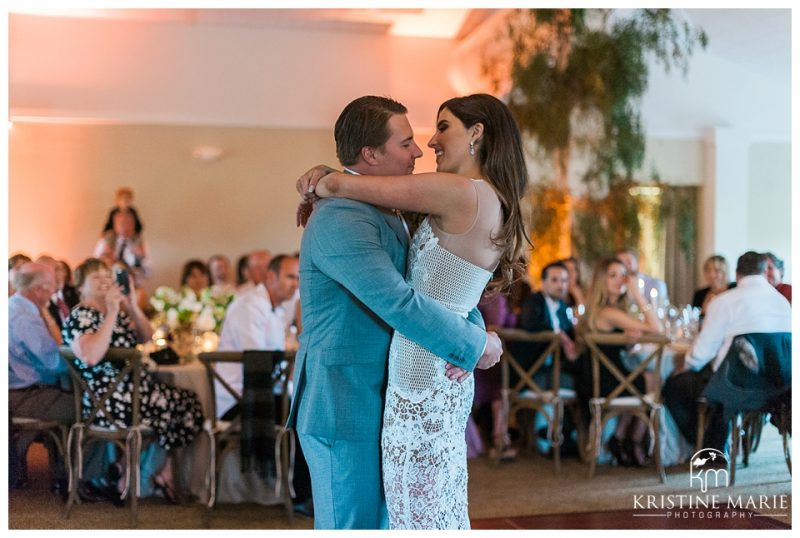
473, 225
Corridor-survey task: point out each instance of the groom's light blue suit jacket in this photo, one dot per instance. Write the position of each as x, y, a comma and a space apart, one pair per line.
353, 293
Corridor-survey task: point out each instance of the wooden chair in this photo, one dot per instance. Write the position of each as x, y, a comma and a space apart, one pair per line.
129, 439
55, 431
526, 393
226, 436
753, 381
603, 407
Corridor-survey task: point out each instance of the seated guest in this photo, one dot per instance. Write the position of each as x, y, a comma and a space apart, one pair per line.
754, 306
715, 271
34, 365
575, 294
519, 291
256, 320
612, 293
241, 271
255, 270
142, 299
65, 297
488, 384
546, 310
105, 318
219, 268
651, 287
123, 243
14, 262
195, 277
774, 274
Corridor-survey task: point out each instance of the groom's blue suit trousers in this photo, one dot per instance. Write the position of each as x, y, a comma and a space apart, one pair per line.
346, 496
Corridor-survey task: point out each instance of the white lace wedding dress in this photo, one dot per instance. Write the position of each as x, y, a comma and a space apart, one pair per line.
425, 417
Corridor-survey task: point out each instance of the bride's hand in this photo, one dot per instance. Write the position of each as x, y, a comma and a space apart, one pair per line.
454, 373
307, 183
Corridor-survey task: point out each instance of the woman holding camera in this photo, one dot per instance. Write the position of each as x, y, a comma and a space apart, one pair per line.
106, 318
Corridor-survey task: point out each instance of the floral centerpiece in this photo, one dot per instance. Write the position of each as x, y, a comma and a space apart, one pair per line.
184, 314
184, 310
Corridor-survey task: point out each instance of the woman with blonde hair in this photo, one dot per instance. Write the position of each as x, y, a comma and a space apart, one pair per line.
612, 294
717, 276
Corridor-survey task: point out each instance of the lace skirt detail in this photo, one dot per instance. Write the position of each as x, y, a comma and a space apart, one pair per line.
425, 456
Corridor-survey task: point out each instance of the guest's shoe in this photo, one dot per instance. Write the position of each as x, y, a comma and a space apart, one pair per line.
304, 508
615, 446
19, 483
59, 487
163, 488
636, 453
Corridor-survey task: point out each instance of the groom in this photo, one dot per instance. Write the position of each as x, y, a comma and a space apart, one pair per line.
353, 295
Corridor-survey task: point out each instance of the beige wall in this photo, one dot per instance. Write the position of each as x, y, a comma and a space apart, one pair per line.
769, 201
62, 179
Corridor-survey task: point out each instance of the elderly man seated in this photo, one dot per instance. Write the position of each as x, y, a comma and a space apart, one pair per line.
754, 306
34, 364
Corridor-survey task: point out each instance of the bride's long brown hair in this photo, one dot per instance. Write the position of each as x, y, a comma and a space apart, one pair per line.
502, 163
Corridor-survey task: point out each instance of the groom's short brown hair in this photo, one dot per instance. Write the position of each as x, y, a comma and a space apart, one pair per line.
363, 123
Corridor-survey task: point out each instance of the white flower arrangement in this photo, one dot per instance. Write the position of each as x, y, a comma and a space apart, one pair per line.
184, 310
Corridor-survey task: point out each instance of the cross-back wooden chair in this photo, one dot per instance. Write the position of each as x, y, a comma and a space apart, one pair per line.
646, 406
225, 436
753, 381
526, 393
130, 439
45, 428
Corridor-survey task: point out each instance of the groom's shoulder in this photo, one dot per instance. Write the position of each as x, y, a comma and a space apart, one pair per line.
332, 207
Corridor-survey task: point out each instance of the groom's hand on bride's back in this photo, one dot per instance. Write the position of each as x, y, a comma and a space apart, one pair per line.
492, 352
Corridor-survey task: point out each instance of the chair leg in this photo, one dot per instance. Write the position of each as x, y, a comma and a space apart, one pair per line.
285, 486
702, 413
736, 425
595, 433
787, 452
74, 440
656, 436
133, 484
557, 437
580, 432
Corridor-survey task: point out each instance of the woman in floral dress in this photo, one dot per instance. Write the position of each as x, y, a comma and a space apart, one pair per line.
105, 318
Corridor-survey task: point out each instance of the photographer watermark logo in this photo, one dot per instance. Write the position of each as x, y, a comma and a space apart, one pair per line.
708, 466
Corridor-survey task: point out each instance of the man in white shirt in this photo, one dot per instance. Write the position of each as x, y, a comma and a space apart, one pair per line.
256, 320
753, 306
257, 263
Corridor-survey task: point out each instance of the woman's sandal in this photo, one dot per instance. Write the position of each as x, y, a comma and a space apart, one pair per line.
165, 489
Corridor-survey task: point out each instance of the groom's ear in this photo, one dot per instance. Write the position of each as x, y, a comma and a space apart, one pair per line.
370, 155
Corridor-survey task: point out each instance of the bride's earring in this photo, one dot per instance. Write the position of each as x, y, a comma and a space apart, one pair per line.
472, 148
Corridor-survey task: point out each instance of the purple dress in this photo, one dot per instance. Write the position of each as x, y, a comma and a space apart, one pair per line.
496, 313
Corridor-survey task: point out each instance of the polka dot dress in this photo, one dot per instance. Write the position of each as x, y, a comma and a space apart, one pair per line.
174, 414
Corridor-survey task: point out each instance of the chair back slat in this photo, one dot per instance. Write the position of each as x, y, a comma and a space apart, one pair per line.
510, 337
210, 359
625, 381
129, 364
